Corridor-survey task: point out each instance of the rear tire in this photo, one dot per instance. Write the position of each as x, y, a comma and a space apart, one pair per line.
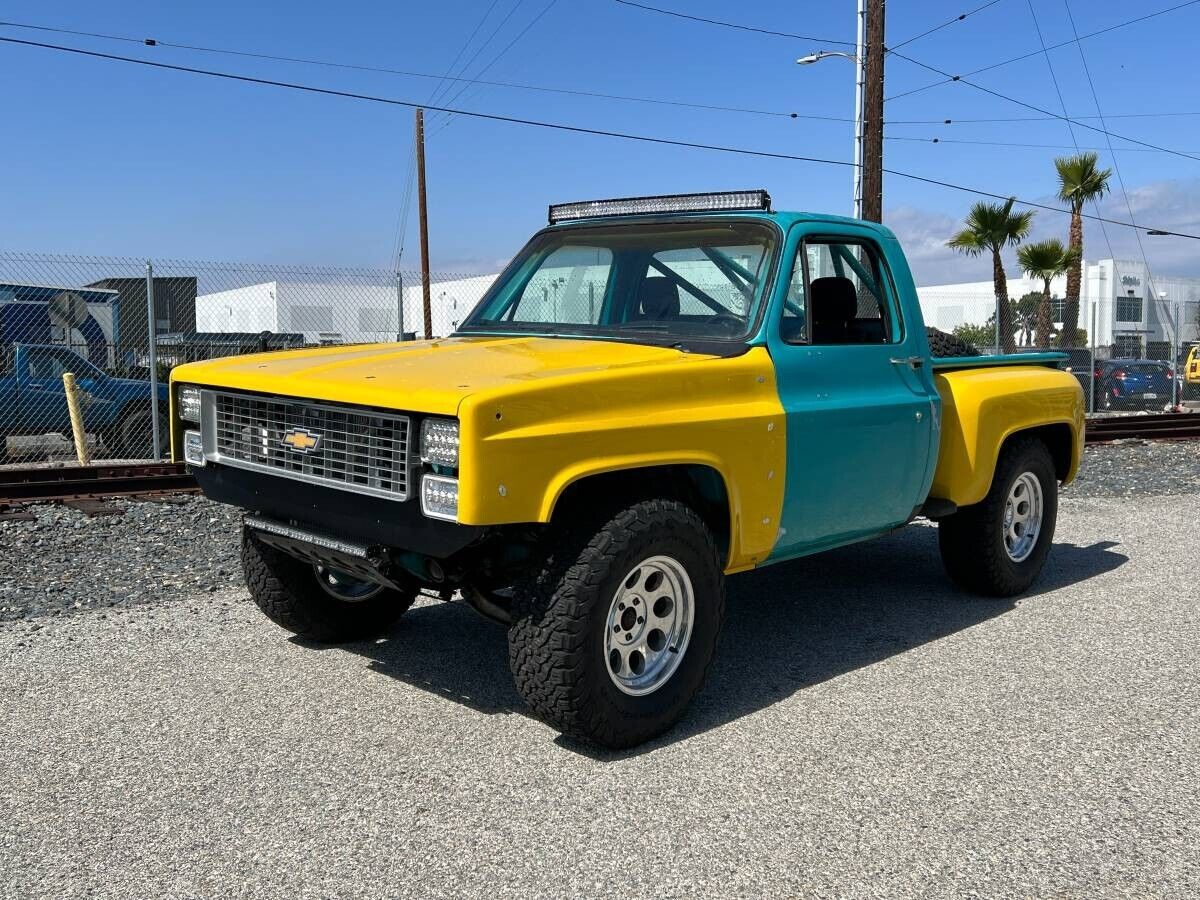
616, 632
290, 593
988, 548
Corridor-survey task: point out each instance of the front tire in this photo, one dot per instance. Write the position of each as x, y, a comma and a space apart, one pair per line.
998, 547
617, 631
317, 603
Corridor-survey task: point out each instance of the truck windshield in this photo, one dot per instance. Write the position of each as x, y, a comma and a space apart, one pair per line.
673, 283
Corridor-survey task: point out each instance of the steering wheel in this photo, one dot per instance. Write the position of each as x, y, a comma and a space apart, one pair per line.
728, 319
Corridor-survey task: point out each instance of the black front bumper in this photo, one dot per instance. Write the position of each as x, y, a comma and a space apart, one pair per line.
373, 521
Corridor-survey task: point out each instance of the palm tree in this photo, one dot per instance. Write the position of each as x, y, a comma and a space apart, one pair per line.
993, 226
1045, 260
1079, 180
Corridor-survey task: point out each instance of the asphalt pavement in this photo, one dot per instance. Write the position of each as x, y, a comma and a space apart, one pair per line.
867, 731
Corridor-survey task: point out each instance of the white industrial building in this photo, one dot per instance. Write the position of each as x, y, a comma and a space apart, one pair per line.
1122, 305
339, 310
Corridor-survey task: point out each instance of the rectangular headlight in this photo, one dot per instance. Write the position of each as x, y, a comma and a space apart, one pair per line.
193, 448
439, 442
722, 201
188, 403
439, 497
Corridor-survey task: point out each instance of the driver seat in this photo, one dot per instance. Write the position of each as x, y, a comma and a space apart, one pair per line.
658, 299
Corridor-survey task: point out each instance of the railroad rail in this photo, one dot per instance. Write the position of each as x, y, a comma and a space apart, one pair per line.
1160, 427
94, 482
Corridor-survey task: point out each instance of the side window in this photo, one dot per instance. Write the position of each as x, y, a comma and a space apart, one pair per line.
847, 294
793, 327
568, 287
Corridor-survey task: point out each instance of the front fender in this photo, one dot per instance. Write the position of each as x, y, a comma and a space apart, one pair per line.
522, 447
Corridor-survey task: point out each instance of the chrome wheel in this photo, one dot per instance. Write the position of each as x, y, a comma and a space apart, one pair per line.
1022, 516
649, 625
343, 587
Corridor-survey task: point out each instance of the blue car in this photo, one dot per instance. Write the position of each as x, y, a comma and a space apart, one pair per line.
34, 402
1133, 384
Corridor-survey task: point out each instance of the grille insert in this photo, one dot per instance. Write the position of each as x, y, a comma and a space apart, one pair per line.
348, 447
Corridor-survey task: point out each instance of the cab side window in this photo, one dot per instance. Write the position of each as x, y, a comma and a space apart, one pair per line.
844, 297
793, 326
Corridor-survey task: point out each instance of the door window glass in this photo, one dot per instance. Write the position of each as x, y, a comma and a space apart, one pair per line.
842, 299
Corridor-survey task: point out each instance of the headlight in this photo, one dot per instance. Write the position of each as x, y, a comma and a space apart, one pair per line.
439, 442
439, 497
189, 404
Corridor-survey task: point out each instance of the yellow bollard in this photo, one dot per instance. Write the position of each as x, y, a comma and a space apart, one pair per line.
77, 432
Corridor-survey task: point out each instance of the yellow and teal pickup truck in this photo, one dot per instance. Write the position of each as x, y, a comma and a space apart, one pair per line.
657, 393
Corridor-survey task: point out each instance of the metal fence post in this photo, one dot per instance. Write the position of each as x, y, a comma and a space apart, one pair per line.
152, 356
399, 305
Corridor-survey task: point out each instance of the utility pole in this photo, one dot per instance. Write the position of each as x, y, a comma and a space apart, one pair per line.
860, 82
426, 305
872, 126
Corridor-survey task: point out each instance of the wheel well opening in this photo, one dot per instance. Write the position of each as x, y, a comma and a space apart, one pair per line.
698, 486
1058, 440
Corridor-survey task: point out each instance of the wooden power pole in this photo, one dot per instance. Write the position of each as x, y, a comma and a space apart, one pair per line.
426, 304
872, 149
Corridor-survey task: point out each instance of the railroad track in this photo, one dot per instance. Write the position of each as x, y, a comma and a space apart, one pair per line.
94, 483
1163, 427
85, 486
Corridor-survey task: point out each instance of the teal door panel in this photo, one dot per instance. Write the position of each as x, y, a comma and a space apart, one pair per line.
861, 419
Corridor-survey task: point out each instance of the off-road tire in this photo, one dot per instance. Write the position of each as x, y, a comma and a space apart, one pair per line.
942, 344
972, 540
287, 591
556, 645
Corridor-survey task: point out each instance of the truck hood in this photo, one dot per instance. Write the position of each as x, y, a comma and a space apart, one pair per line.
423, 376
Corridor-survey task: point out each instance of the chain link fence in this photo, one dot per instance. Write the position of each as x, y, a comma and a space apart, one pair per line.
94, 317
1128, 354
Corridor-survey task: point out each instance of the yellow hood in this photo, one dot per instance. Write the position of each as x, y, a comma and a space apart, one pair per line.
424, 376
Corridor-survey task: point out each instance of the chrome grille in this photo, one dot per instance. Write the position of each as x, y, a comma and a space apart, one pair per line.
356, 449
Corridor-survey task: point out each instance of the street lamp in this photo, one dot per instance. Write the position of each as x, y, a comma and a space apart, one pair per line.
860, 82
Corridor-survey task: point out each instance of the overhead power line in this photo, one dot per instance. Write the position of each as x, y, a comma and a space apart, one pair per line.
959, 18
1116, 165
561, 126
1008, 119
942, 140
1046, 112
951, 78
784, 34
495, 59
440, 78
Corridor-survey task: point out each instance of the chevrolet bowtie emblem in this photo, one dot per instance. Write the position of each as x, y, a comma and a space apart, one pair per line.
301, 440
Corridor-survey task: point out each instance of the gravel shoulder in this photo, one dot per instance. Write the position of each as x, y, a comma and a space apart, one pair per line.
868, 731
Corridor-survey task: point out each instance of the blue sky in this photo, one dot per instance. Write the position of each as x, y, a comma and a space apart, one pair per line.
109, 158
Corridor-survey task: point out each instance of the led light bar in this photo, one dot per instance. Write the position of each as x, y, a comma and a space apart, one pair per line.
722, 201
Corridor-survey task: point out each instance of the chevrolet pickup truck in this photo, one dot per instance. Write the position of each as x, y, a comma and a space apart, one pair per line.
34, 402
656, 394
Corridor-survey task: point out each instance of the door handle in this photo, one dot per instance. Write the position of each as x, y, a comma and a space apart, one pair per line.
914, 362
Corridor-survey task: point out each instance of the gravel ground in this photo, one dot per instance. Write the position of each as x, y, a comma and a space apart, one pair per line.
62, 562
1129, 468
867, 731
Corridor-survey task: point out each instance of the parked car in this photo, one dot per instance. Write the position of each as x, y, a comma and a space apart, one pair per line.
1133, 384
33, 400
712, 387
1191, 374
